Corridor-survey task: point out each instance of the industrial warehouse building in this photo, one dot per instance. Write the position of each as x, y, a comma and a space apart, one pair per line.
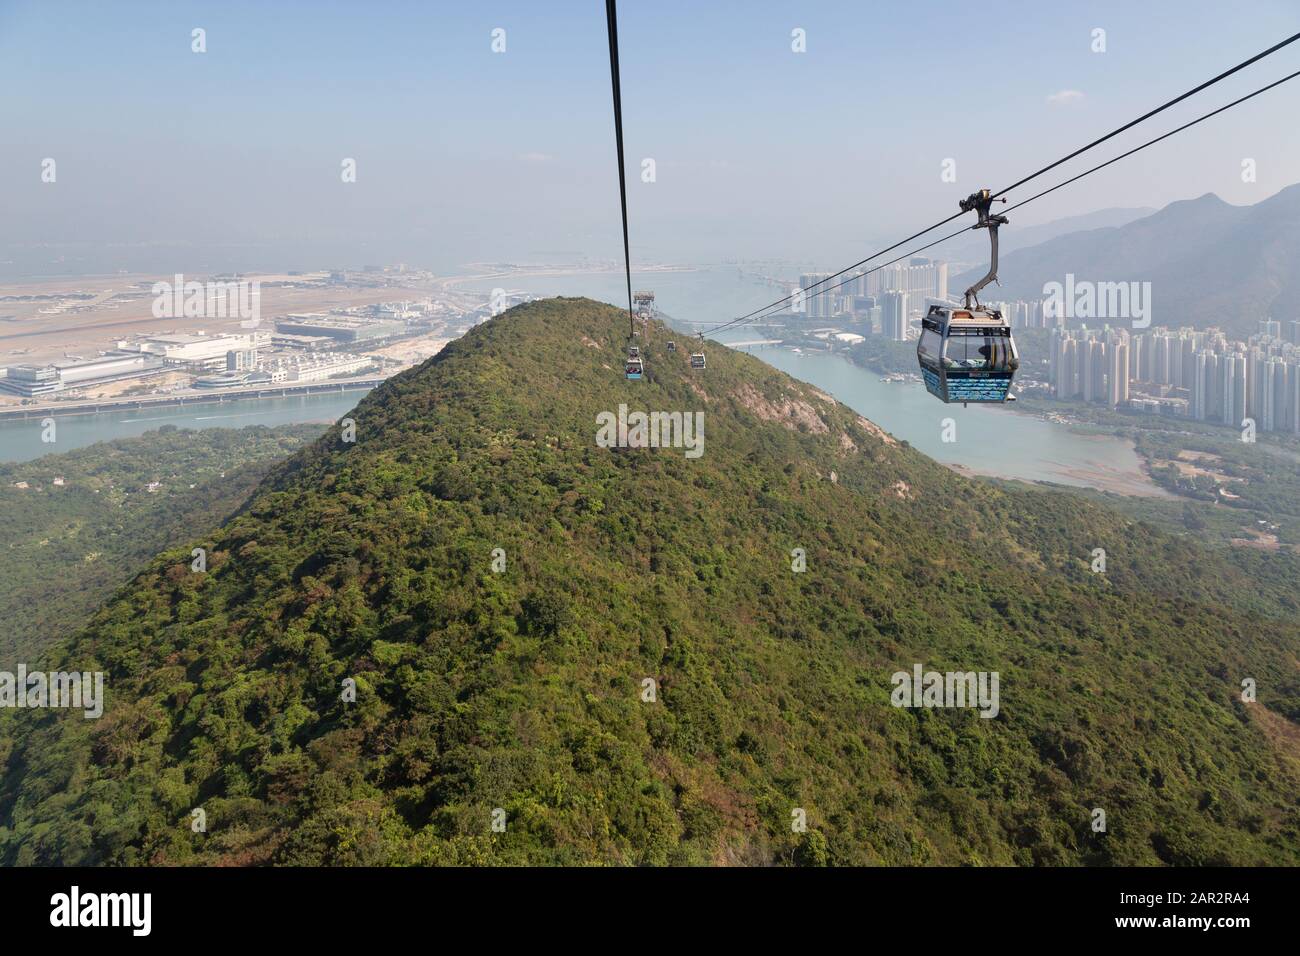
345, 331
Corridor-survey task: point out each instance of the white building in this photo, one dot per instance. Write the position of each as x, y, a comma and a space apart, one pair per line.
32, 380
196, 351
314, 368
893, 315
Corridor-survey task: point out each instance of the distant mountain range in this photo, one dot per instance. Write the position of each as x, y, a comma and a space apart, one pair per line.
1208, 262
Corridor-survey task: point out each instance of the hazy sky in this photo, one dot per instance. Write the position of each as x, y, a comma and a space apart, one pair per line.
465, 154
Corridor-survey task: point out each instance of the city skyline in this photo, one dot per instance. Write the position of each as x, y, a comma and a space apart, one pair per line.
1195, 373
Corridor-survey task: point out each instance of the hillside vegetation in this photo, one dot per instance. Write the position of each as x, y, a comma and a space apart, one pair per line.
66, 546
522, 690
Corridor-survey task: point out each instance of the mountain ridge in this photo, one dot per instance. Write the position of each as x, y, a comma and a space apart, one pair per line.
976, 247
1208, 262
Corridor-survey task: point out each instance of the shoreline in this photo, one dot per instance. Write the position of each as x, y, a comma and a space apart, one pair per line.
1129, 486
146, 403
1135, 483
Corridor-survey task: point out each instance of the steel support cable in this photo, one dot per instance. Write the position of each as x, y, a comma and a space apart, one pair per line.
611, 20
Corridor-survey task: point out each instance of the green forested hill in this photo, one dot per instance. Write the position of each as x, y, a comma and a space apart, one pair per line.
64, 547
522, 690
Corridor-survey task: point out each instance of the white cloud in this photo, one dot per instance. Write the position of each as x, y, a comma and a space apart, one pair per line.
1064, 98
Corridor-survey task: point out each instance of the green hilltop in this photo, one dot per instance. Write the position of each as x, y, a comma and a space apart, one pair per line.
523, 690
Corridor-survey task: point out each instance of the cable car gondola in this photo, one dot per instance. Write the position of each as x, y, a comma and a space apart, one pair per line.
967, 354
697, 358
672, 346
633, 367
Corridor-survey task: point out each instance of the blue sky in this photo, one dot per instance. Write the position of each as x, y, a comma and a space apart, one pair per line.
466, 154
